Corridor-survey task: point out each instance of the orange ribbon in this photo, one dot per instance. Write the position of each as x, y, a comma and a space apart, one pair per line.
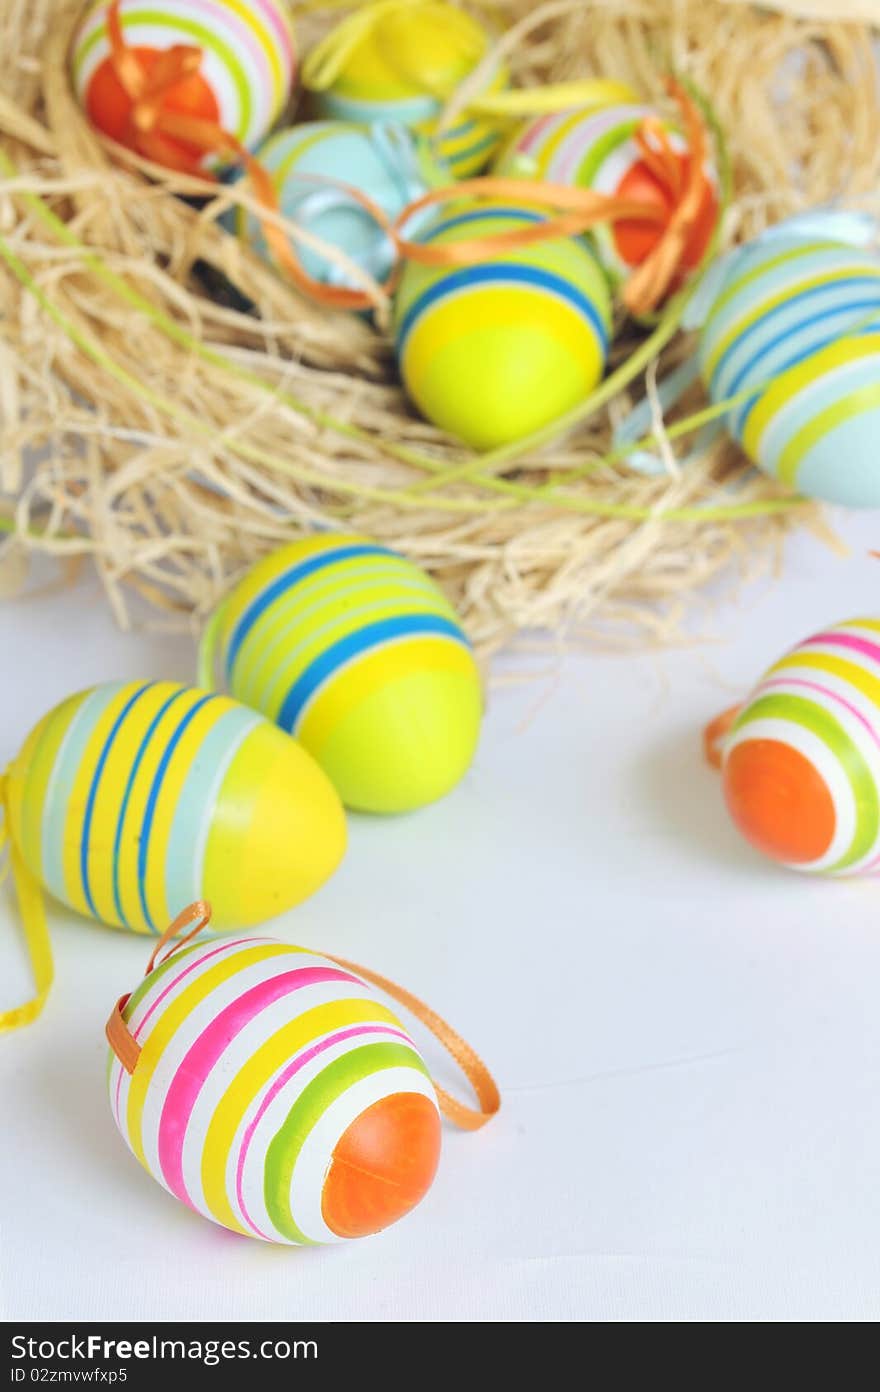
714, 734
197, 916
659, 271
153, 130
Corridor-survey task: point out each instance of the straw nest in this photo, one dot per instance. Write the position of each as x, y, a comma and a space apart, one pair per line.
175, 436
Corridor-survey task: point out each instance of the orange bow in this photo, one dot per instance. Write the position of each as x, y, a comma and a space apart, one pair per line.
158, 133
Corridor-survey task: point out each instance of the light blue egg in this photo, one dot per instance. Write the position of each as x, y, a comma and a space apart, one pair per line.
792, 340
381, 161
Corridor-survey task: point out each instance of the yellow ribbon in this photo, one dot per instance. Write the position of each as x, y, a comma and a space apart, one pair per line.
555, 96
33, 917
329, 58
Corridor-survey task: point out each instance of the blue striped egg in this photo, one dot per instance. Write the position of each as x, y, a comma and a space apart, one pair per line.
493, 351
794, 332
130, 799
358, 654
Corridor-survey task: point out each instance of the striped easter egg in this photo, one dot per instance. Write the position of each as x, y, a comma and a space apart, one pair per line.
801, 765
403, 68
357, 653
246, 73
129, 800
275, 1094
597, 150
794, 335
493, 351
379, 161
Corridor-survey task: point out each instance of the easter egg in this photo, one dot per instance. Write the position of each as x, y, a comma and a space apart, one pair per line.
597, 150
131, 799
357, 653
794, 336
275, 1094
379, 161
493, 351
402, 66
243, 82
801, 765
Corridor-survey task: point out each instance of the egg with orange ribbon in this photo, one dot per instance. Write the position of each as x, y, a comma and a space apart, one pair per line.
624, 151
800, 760
271, 1090
171, 78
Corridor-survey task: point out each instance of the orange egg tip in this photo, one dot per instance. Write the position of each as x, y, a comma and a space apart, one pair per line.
383, 1165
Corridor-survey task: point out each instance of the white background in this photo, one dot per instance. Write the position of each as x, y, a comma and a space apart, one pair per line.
687, 1038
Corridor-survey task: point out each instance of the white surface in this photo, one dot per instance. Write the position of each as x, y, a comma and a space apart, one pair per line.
687, 1039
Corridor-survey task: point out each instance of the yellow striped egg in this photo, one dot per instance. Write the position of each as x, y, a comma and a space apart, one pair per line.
357, 653
131, 799
402, 64
493, 351
275, 1094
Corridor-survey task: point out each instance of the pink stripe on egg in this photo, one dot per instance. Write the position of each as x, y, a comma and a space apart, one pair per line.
190, 1077
531, 137
845, 640
138, 1030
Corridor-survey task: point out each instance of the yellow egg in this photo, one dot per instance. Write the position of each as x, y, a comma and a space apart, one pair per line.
493, 351
402, 62
134, 798
357, 653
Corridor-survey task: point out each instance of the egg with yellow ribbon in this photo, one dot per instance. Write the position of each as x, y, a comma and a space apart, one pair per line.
130, 799
401, 60
497, 349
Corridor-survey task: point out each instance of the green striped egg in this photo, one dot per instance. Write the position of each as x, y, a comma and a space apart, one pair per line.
801, 765
794, 334
247, 66
597, 150
358, 654
132, 799
493, 351
275, 1094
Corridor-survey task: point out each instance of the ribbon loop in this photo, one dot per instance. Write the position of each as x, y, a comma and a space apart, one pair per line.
196, 916
715, 733
466, 1117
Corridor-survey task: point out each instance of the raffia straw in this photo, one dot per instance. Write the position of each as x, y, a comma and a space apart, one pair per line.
178, 438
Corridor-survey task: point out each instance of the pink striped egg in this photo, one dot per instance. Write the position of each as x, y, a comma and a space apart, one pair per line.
275, 1094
